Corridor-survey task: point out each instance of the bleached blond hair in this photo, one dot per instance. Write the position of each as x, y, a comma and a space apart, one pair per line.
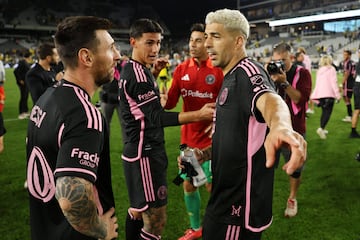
232, 20
325, 60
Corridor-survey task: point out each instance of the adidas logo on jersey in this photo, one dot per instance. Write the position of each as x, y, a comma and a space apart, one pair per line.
185, 77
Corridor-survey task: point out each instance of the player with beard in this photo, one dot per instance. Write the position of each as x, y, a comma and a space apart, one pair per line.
197, 82
68, 169
41, 75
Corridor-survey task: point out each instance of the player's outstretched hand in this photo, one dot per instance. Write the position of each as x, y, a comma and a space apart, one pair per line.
290, 138
111, 224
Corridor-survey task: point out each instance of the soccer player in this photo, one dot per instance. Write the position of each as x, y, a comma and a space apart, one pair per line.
142, 120
20, 73
197, 82
348, 83
251, 122
41, 75
68, 169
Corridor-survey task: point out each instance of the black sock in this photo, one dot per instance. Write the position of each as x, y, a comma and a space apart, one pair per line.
133, 228
353, 130
349, 109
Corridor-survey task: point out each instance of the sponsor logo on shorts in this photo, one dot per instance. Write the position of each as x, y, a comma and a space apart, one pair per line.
235, 211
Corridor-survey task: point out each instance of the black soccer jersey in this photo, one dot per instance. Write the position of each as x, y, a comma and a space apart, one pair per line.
38, 80
242, 185
141, 111
67, 136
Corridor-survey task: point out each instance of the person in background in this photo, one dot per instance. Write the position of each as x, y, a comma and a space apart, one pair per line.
325, 92
307, 64
251, 122
68, 168
20, 72
109, 97
299, 59
142, 121
294, 86
356, 91
348, 83
2, 103
41, 76
197, 82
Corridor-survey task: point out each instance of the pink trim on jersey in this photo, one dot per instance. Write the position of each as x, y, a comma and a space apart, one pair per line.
147, 101
139, 72
97, 201
79, 170
61, 130
138, 115
48, 188
92, 113
256, 137
147, 179
250, 68
232, 232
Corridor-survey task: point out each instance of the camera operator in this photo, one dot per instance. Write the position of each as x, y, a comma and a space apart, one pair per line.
294, 86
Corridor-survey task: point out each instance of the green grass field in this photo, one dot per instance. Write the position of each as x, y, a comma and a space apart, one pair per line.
329, 197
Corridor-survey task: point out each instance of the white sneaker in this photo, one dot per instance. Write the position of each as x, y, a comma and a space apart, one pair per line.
309, 110
321, 133
347, 119
325, 131
291, 208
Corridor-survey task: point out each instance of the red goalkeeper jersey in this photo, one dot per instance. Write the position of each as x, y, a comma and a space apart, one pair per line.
197, 84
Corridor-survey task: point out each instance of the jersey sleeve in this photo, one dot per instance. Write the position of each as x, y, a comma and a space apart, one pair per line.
143, 97
258, 83
81, 148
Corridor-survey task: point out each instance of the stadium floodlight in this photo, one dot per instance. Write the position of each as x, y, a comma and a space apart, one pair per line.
314, 18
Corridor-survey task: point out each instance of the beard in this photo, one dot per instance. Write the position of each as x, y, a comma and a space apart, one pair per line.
101, 78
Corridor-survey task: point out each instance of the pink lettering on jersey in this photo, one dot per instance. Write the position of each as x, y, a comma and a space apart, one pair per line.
86, 158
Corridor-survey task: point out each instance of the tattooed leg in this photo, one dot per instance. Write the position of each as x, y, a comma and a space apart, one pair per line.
154, 220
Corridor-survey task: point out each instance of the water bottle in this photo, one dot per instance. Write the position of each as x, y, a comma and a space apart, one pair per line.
187, 155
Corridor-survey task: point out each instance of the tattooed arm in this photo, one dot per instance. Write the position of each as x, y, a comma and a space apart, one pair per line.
76, 199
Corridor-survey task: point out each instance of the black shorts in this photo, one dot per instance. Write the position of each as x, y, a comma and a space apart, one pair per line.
348, 89
356, 91
220, 231
146, 180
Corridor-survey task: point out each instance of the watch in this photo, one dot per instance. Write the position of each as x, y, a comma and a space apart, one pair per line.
284, 85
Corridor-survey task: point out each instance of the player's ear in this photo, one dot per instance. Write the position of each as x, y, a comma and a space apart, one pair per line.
85, 56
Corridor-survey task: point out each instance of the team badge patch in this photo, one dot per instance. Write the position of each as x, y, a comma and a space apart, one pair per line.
210, 79
223, 96
162, 192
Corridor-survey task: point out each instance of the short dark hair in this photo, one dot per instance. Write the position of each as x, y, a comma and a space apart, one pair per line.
197, 27
348, 52
45, 49
282, 47
144, 25
74, 33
